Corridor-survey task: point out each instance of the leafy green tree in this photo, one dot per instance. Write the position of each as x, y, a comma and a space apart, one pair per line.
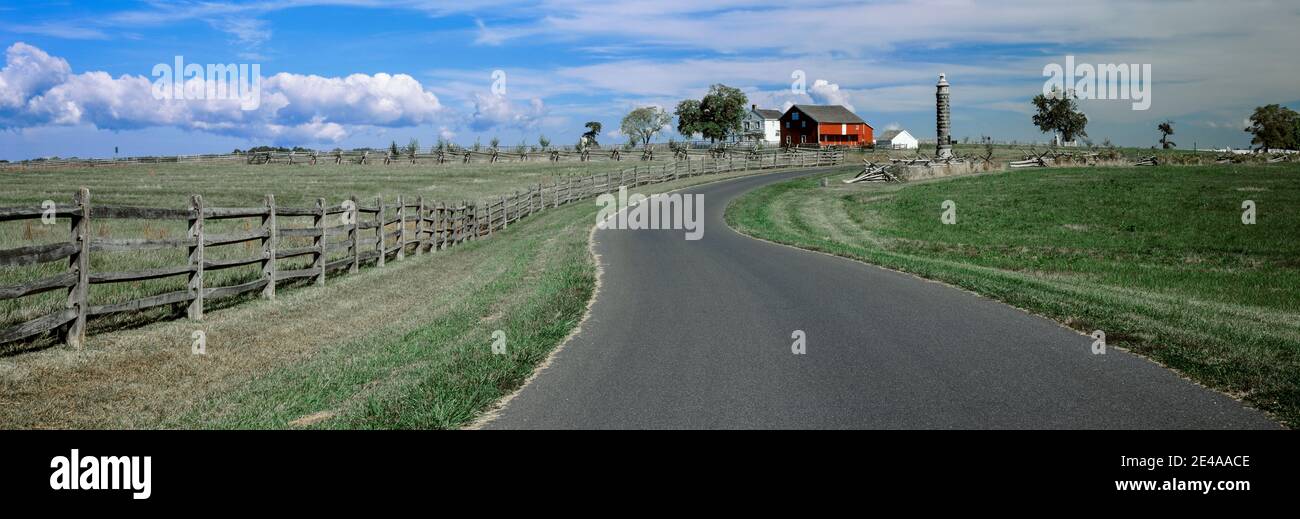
412, 147
1275, 127
716, 117
392, 149
1059, 113
689, 117
495, 143
642, 124
544, 142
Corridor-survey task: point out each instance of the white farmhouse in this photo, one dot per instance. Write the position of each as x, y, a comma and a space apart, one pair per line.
897, 140
761, 125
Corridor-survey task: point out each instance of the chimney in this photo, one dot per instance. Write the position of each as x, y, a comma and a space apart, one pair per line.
753, 107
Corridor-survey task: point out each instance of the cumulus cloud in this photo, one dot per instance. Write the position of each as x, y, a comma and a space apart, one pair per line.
826, 93
29, 70
494, 111
37, 89
381, 99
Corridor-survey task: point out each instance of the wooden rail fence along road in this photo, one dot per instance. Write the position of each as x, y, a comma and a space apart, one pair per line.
364, 234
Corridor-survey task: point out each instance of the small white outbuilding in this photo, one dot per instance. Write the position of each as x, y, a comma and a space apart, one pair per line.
897, 140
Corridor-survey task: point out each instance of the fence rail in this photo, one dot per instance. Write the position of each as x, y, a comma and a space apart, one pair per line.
371, 234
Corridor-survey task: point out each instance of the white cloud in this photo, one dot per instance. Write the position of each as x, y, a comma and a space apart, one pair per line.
494, 111
37, 89
29, 70
826, 93
381, 99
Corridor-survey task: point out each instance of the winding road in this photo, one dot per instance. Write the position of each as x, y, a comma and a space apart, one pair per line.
697, 335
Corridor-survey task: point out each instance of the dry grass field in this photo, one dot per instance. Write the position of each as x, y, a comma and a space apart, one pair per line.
170, 186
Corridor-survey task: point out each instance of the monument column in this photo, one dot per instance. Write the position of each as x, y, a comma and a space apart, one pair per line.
944, 120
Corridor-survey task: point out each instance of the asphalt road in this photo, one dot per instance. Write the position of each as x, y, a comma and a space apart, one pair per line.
697, 334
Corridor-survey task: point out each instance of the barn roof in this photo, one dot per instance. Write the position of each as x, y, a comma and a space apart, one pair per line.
889, 135
768, 114
830, 114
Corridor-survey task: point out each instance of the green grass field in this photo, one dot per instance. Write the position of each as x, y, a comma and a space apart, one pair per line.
403, 346
1158, 258
170, 186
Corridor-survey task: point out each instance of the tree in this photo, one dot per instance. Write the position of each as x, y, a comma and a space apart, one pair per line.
412, 147
716, 116
495, 143
641, 124
1166, 129
593, 129
1060, 114
1275, 127
689, 117
392, 149
544, 142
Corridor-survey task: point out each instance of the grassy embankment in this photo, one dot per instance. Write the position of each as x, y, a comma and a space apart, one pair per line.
1158, 258
404, 346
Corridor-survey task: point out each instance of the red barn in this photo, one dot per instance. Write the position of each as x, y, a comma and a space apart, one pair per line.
824, 125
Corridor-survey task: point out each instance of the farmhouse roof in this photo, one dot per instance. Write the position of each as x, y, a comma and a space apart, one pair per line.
768, 114
890, 134
830, 114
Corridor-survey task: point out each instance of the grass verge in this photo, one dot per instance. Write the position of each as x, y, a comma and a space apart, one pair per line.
1157, 258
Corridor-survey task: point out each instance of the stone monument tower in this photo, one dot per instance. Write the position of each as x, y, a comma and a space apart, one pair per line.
944, 120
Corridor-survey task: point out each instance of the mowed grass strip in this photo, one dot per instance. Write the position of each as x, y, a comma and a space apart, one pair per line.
1157, 258
403, 346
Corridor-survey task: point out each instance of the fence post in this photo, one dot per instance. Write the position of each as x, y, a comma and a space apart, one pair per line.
355, 234
380, 230
196, 258
467, 222
442, 224
419, 225
78, 294
401, 228
269, 245
457, 222
505, 211
318, 258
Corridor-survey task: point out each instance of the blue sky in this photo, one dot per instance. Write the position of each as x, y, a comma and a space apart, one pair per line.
354, 73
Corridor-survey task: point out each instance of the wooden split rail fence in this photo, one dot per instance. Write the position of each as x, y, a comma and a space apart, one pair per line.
411, 226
